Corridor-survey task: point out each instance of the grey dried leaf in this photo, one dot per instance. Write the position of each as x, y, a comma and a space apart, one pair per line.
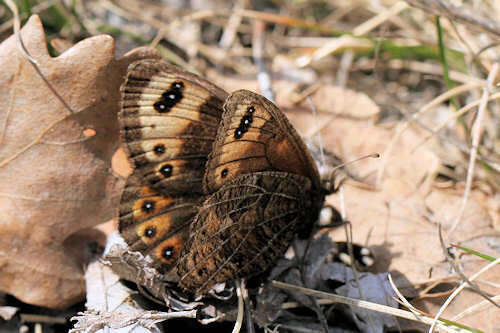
7, 312
133, 266
320, 273
377, 289
93, 321
219, 304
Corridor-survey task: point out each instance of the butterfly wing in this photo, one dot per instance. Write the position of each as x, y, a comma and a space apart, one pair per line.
155, 224
265, 189
243, 228
256, 136
169, 120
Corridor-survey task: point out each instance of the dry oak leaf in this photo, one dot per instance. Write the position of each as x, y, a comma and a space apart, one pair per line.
55, 177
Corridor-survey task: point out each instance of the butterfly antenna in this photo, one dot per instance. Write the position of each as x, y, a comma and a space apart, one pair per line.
374, 155
315, 115
331, 177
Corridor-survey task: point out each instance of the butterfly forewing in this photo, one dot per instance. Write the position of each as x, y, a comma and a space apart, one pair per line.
169, 120
243, 228
255, 136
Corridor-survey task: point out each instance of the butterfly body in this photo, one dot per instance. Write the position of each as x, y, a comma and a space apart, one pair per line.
222, 183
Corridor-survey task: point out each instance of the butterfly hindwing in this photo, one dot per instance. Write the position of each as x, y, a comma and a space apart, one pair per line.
169, 120
154, 224
243, 228
262, 187
255, 136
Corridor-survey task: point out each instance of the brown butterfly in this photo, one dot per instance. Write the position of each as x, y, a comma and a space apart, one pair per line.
222, 183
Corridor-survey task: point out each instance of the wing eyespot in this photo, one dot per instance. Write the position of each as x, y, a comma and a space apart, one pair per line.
150, 232
170, 98
238, 133
168, 252
148, 206
159, 149
245, 123
166, 170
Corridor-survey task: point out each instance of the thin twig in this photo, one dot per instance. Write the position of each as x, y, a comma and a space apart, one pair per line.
231, 27
348, 233
476, 136
459, 113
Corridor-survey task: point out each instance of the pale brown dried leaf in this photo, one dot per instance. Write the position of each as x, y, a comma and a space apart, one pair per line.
399, 220
55, 177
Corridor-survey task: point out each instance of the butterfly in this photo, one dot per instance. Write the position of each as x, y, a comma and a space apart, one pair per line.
221, 183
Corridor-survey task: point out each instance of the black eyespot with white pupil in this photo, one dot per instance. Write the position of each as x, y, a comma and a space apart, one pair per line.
238, 133
170, 98
150, 232
159, 149
245, 123
168, 252
166, 170
224, 173
246, 120
148, 206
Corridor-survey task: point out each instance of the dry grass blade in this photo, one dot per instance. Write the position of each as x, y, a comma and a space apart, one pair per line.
380, 18
480, 306
285, 20
476, 136
358, 303
459, 289
241, 311
416, 312
459, 271
231, 28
